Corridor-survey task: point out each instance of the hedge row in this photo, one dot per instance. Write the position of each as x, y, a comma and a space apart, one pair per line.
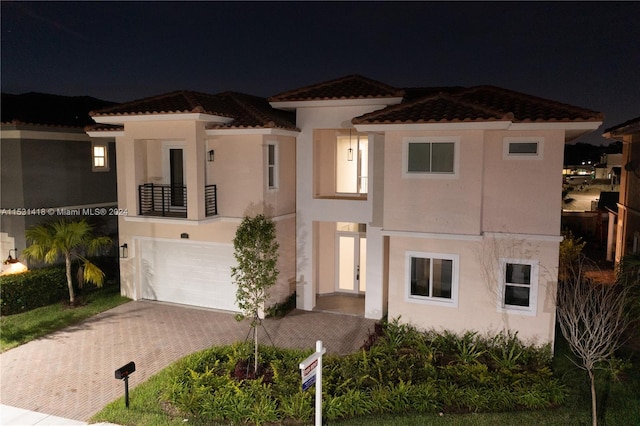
36, 288
44, 286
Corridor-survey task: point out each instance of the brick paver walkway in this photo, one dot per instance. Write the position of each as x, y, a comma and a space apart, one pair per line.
70, 373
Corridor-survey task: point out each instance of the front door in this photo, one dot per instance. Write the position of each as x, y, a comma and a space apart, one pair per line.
176, 173
351, 253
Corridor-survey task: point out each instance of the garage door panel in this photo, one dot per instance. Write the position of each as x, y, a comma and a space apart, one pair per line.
188, 273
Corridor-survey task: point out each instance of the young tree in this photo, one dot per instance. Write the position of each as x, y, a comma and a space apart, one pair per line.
71, 240
256, 252
593, 318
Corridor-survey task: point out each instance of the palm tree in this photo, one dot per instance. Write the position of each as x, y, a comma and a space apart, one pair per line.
70, 240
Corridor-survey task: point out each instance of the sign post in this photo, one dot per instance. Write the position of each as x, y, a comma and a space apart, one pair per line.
311, 369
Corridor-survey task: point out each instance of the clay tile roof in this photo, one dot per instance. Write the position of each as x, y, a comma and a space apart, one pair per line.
251, 111
526, 108
182, 101
348, 87
482, 103
103, 128
627, 127
247, 111
431, 109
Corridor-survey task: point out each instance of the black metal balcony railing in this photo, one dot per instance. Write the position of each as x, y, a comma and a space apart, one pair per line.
210, 200
171, 200
162, 200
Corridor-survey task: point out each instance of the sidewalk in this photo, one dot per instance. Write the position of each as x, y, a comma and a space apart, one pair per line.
12, 416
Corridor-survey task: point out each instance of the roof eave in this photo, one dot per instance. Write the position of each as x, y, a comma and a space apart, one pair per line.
252, 131
460, 125
105, 133
315, 103
190, 116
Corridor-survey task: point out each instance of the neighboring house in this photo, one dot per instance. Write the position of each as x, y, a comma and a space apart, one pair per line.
609, 168
441, 206
437, 205
50, 168
190, 167
628, 214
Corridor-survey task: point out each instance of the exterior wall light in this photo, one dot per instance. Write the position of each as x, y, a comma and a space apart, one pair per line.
210, 156
124, 251
11, 259
14, 265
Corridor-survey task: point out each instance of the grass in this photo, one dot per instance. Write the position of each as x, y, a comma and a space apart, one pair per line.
21, 328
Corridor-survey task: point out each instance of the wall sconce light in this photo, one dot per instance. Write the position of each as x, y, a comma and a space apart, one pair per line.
210, 156
124, 251
11, 259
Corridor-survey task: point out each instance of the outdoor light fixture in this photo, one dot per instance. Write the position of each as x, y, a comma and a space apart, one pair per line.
11, 259
15, 266
210, 156
350, 150
124, 251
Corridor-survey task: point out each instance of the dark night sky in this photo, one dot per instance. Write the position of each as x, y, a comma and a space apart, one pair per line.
582, 53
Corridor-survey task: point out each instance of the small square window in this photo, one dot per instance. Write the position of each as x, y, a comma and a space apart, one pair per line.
523, 148
100, 161
530, 148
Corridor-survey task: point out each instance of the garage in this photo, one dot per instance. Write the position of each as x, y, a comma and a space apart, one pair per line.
189, 273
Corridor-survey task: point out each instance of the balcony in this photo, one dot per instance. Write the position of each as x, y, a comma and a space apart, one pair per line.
171, 200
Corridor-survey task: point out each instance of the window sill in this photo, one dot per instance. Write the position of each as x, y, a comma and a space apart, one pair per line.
342, 197
447, 303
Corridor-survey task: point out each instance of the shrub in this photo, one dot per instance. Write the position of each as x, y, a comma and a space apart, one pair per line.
33, 289
400, 373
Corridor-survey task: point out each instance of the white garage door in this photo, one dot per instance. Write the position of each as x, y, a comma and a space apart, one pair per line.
188, 273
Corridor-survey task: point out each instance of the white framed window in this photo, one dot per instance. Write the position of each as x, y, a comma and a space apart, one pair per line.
431, 157
518, 292
432, 278
99, 157
272, 165
522, 148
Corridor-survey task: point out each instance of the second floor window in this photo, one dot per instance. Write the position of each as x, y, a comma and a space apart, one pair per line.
430, 157
99, 158
272, 166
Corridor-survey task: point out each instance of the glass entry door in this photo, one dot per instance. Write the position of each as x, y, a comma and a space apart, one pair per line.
351, 271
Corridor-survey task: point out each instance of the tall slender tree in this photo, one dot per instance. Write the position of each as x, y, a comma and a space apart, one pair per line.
256, 251
69, 240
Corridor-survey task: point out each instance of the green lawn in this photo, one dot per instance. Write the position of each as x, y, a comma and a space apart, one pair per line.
18, 329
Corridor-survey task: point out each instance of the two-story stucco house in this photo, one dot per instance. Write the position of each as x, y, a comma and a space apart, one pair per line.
440, 205
190, 166
437, 205
50, 168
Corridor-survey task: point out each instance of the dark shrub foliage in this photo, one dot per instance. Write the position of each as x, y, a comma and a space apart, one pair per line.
44, 286
399, 370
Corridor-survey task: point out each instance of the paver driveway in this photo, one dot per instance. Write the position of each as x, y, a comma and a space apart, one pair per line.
70, 373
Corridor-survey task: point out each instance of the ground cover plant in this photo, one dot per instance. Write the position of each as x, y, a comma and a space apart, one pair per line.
21, 328
400, 371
